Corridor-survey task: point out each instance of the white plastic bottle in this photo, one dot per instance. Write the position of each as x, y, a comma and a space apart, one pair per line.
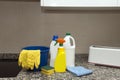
53, 50
69, 46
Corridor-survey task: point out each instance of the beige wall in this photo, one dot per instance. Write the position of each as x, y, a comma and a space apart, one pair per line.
22, 23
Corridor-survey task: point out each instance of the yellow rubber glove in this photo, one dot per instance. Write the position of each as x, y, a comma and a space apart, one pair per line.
29, 59
22, 58
37, 59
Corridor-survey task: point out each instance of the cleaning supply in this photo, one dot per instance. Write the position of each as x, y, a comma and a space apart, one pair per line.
48, 70
47, 73
44, 54
79, 70
22, 59
53, 50
29, 59
69, 46
60, 61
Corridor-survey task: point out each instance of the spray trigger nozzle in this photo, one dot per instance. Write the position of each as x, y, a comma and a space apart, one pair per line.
60, 41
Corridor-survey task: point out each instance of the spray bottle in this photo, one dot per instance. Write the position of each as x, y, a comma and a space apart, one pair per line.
60, 61
53, 50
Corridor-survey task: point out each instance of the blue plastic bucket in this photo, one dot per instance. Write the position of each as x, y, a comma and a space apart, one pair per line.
44, 55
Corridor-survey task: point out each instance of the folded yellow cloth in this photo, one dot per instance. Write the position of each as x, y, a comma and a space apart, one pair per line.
29, 59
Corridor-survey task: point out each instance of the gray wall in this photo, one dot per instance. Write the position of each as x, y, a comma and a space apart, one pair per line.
22, 23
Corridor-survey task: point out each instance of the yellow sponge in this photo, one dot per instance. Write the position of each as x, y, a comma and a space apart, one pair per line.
47, 70
47, 73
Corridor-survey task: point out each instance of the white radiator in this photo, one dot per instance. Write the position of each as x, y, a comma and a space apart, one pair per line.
104, 55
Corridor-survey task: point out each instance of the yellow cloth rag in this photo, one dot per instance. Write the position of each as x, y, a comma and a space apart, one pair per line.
29, 59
